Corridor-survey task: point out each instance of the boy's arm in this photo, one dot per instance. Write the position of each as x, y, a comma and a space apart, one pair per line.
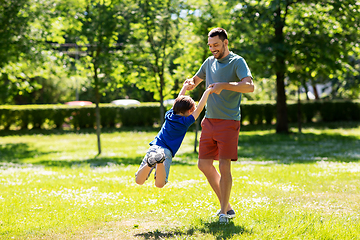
202, 103
183, 90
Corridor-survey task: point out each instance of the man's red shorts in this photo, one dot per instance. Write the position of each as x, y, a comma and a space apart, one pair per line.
219, 139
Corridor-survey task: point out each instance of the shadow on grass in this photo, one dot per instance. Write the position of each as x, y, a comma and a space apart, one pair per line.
15, 152
92, 162
46, 132
244, 128
299, 147
268, 147
219, 231
99, 162
316, 125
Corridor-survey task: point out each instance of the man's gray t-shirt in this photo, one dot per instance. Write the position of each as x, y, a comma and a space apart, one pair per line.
232, 68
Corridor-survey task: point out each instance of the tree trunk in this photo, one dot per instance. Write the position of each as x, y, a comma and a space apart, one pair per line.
299, 109
97, 111
197, 127
202, 87
280, 66
162, 108
316, 94
281, 108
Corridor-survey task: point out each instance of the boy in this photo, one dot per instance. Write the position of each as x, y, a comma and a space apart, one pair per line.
167, 142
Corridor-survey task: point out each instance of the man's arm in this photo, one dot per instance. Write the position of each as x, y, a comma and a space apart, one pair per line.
193, 82
202, 102
246, 85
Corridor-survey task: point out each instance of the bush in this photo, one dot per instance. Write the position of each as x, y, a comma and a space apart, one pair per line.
269, 112
309, 110
139, 116
148, 114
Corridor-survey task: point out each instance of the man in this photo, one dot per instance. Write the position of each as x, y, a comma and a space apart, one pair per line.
229, 76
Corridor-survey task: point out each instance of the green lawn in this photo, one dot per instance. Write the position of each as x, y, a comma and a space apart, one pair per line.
296, 186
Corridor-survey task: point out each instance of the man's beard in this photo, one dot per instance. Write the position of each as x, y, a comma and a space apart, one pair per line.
221, 53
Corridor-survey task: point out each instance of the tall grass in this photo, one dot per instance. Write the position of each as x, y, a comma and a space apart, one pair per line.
296, 186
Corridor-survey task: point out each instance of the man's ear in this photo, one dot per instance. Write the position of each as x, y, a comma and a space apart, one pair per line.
226, 42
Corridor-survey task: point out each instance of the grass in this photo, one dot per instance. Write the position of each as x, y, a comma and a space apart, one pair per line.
296, 186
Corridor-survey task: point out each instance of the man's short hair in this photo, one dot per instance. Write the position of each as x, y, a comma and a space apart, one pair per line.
218, 32
183, 104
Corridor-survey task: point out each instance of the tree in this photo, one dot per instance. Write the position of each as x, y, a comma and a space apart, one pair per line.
155, 34
14, 26
296, 40
27, 62
101, 23
202, 16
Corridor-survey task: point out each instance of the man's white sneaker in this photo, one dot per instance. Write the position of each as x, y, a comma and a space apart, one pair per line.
230, 213
223, 219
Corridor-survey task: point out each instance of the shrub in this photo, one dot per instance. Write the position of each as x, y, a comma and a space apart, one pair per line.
139, 116
149, 114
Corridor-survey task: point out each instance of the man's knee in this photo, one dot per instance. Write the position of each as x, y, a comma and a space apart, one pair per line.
225, 166
204, 165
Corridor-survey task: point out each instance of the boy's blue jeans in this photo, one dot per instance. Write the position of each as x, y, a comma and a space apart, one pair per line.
167, 162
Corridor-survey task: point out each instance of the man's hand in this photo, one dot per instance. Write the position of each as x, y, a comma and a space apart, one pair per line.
216, 87
246, 85
193, 82
190, 84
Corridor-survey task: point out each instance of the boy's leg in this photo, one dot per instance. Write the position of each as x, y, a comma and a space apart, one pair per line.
160, 179
163, 169
144, 170
142, 174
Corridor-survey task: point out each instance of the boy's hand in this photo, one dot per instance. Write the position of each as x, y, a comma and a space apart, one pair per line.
210, 89
189, 83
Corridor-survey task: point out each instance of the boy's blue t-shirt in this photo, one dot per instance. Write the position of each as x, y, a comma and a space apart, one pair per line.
173, 131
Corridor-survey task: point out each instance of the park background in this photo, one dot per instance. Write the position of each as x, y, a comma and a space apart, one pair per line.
298, 168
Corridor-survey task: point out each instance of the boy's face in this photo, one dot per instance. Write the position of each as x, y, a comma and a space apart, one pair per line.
189, 112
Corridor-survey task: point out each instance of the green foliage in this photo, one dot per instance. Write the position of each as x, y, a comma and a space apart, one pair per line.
59, 50
156, 30
14, 25
34, 73
109, 116
77, 117
199, 18
29, 82
296, 40
144, 116
55, 116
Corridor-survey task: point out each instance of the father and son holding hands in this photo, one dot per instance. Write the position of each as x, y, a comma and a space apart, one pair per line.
227, 76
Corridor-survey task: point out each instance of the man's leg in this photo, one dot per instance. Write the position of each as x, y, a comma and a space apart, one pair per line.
225, 184
215, 181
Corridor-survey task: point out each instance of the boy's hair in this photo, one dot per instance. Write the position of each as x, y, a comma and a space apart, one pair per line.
183, 104
218, 32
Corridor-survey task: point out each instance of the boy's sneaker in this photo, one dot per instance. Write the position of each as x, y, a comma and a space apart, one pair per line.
230, 213
223, 219
154, 157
